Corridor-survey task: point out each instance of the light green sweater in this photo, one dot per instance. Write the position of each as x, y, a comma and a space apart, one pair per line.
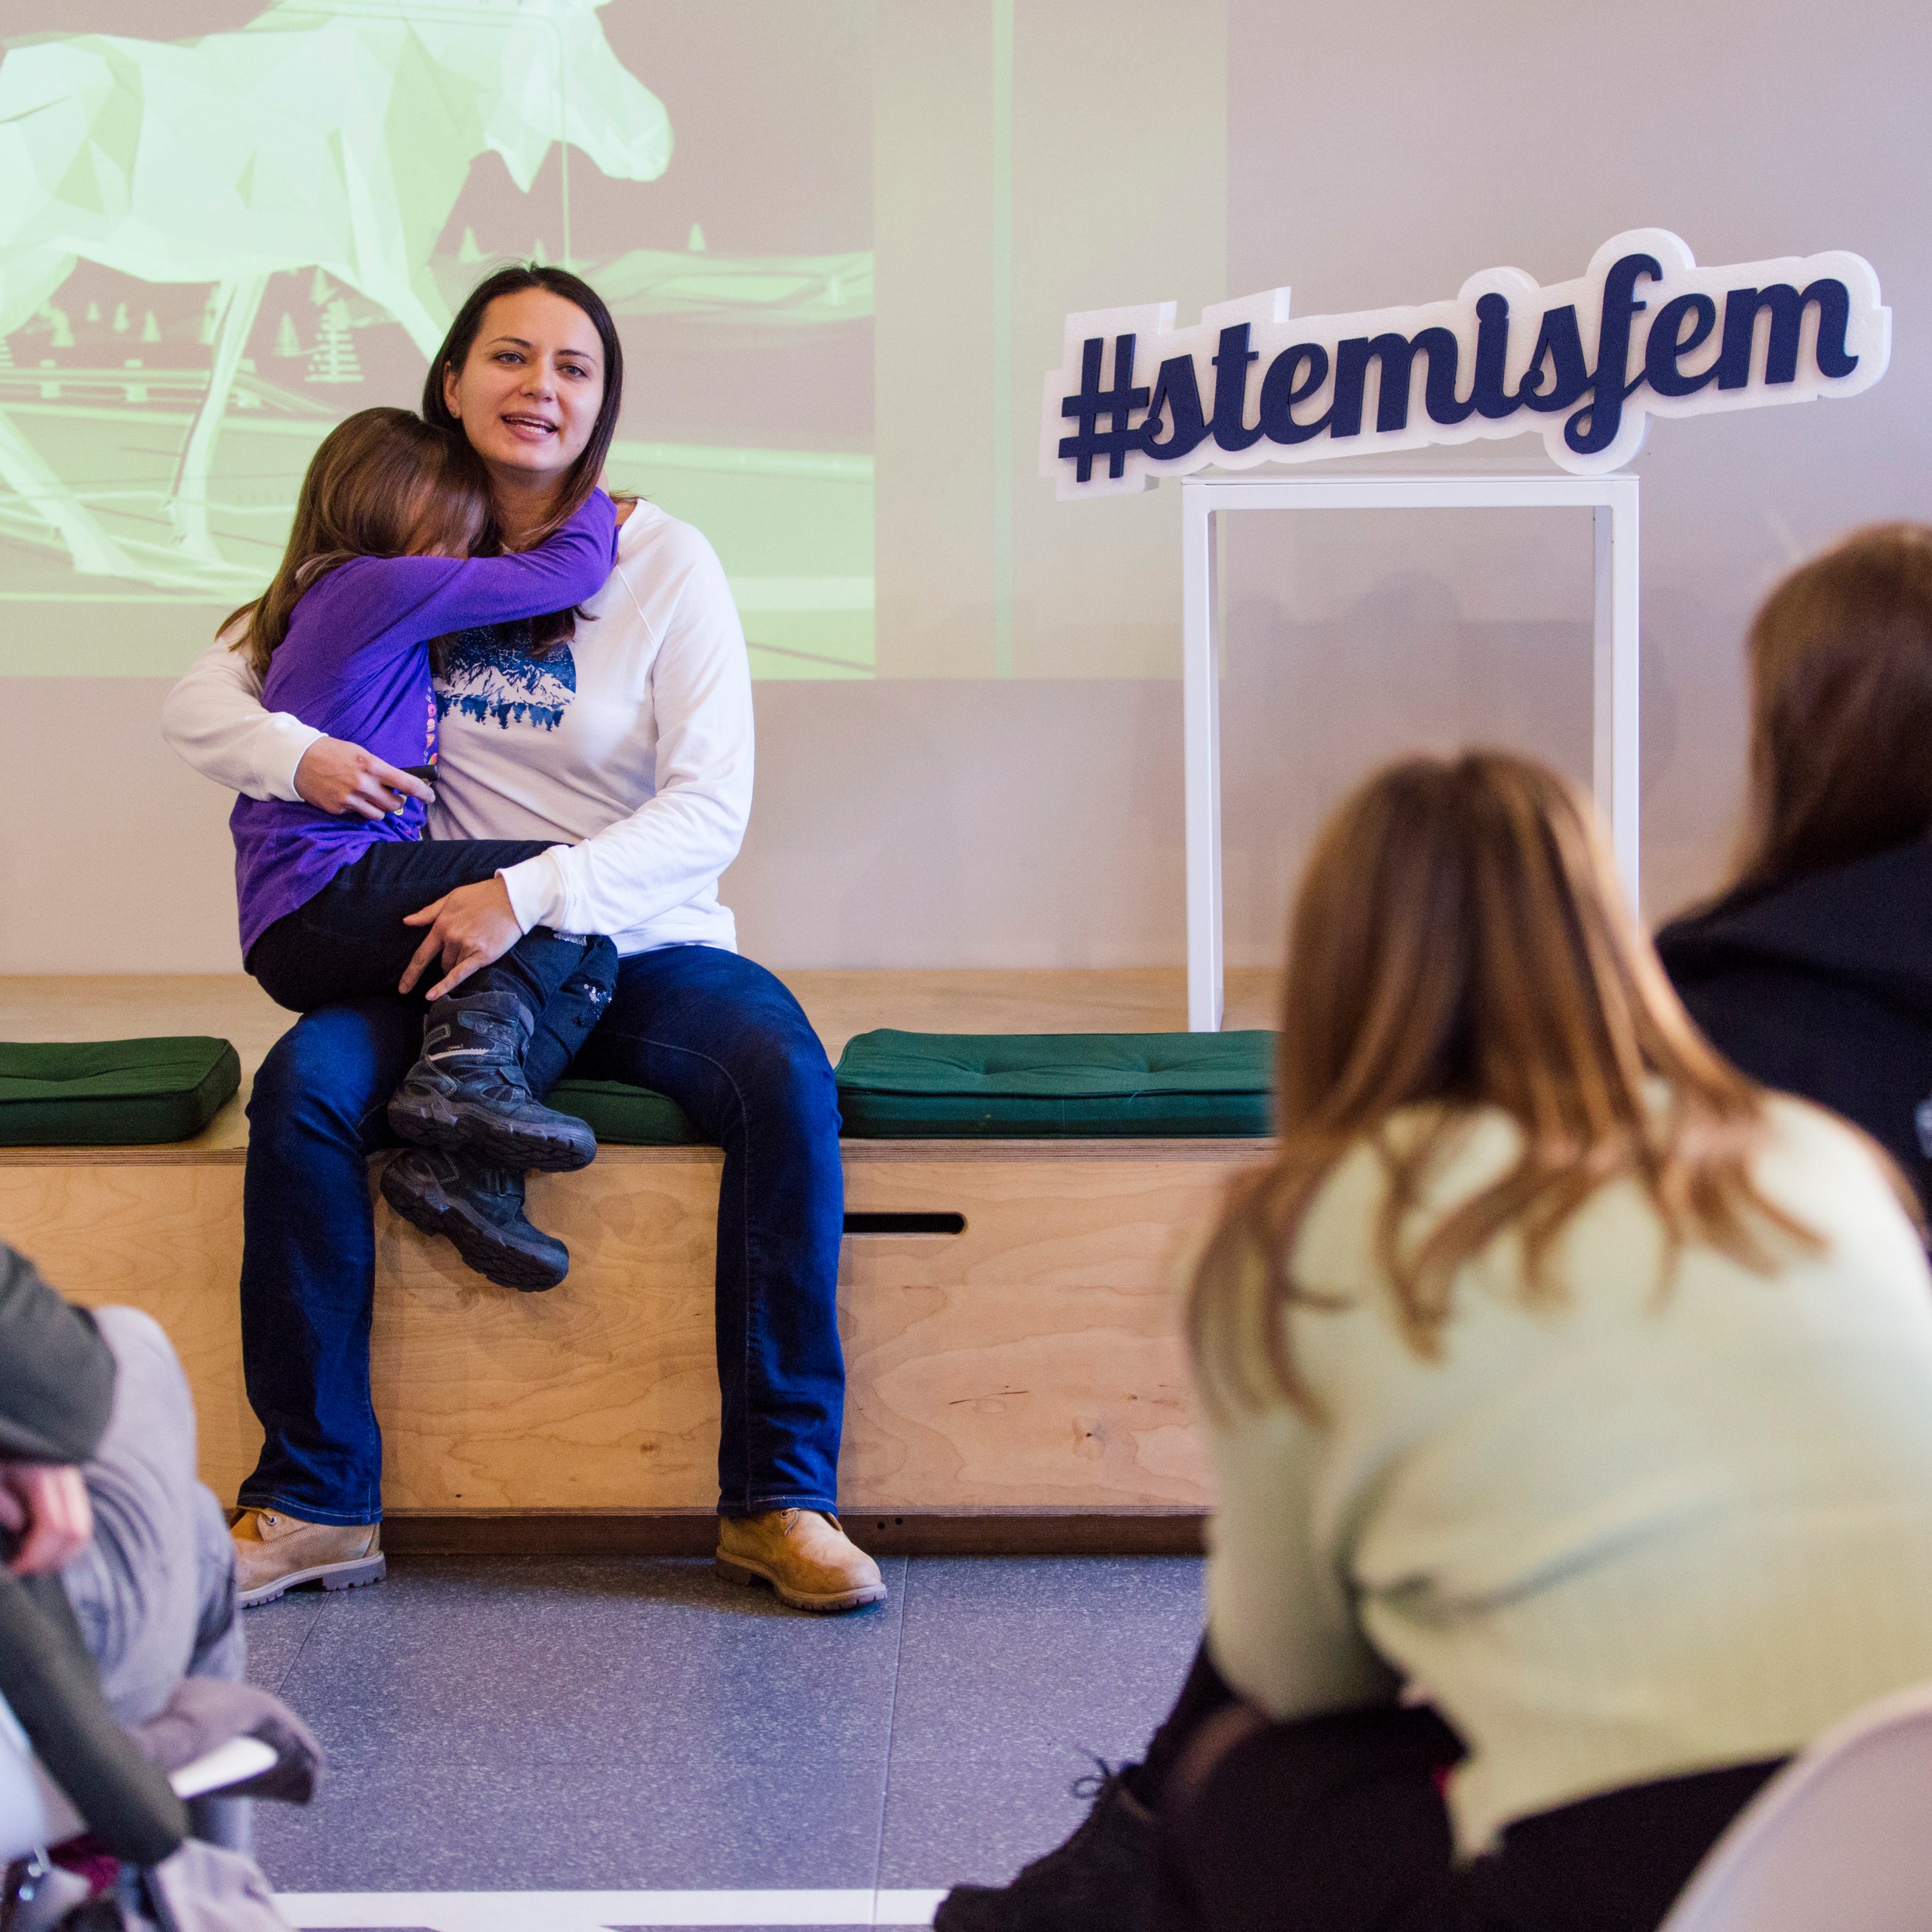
1647, 1532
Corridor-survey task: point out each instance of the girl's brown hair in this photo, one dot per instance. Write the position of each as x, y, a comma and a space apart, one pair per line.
382, 483
1841, 656
1460, 939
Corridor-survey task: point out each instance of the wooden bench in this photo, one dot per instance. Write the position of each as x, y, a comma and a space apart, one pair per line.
1015, 1374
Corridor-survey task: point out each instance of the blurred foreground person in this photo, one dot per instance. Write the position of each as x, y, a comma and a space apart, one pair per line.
1570, 1400
1571, 1404
1814, 972
121, 1652
98, 1489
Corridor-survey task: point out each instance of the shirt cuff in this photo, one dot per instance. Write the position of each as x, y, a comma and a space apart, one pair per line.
287, 742
536, 890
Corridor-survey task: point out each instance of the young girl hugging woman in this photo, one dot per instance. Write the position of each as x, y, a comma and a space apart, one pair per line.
1570, 1397
378, 568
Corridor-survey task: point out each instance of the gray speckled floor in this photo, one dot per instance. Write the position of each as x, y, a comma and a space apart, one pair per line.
636, 1724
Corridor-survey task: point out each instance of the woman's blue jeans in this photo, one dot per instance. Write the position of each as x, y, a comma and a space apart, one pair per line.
726, 1041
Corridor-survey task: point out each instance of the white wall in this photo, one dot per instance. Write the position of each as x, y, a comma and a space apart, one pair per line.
1374, 154
1381, 152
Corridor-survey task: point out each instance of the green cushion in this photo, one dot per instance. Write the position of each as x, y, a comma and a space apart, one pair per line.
1020, 1086
625, 1116
112, 1092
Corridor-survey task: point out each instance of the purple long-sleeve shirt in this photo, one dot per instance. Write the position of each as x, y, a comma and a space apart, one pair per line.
355, 664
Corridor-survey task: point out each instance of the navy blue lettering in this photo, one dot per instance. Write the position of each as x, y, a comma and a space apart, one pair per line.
1231, 362
1118, 404
1787, 306
1492, 399
1668, 344
1438, 391
1595, 427
1285, 385
1560, 343
1176, 392
1397, 354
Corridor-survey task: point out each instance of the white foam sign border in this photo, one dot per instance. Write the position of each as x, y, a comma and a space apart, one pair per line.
1643, 332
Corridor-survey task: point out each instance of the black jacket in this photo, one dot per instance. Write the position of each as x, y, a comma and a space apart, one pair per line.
1823, 987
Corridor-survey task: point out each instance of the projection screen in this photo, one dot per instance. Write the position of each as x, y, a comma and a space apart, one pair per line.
226, 226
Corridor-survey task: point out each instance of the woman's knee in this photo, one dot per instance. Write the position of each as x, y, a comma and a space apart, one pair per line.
327, 1076
787, 1079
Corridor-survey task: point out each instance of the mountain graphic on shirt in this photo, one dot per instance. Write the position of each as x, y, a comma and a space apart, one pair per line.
491, 674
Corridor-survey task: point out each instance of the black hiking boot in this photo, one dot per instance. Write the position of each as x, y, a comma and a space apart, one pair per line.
480, 1209
1095, 1882
468, 1091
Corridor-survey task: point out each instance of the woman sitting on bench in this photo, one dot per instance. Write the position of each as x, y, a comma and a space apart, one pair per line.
627, 750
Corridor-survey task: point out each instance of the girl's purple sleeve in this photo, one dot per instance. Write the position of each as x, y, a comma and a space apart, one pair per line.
399, 602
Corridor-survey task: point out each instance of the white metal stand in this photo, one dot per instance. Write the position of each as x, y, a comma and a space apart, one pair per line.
1615, 768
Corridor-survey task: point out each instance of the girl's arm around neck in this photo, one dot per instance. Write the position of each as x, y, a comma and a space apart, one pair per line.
399, 602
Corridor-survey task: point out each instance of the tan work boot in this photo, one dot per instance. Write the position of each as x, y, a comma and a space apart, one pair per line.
273, 1552
803, 1554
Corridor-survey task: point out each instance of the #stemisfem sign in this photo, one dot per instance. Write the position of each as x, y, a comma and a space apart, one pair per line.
1643, 332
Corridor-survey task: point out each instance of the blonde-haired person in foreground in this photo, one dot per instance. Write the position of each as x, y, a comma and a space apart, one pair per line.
1569, 1399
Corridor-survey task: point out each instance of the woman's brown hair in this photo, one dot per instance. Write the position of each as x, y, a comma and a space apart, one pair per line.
1841, 657
559, 627
1459, 938
382, 483
581, 477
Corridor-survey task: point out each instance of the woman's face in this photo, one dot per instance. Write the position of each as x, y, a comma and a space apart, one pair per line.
528, 392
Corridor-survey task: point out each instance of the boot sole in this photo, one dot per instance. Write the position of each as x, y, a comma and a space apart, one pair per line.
506, 1266
350, 1575
735, 1569
436, 1123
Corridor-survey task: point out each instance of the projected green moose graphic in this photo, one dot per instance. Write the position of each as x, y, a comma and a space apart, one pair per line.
336, 137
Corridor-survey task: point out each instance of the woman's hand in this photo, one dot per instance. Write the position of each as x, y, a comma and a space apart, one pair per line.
46, 1505
335, 776
468, 928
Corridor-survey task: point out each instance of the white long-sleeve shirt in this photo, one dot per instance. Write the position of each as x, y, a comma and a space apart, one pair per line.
1642, 1530
635, 749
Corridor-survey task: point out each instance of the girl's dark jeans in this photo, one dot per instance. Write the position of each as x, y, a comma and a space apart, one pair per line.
350, 941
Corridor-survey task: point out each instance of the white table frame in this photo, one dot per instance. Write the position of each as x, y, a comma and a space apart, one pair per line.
1615, 768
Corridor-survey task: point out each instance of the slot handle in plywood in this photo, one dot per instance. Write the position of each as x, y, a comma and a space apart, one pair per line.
906, 1223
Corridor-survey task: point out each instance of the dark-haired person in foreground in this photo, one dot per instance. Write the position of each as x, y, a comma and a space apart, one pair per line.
628, 745
1814, 972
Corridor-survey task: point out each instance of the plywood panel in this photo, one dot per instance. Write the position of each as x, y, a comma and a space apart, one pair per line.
1035, 1359
1031, 1361
164, 1238
601, 1393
